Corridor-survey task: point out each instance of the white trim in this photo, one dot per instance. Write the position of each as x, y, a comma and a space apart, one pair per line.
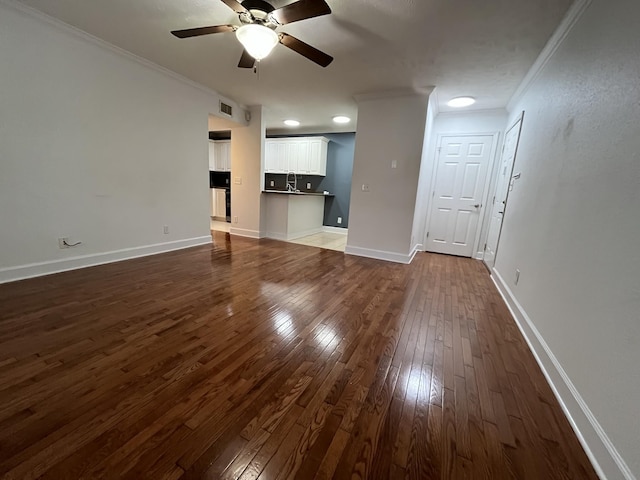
381, 254
241, 232
603, 455
340, 230
570, 19
21, 272
32, 12
479, 255
495, 174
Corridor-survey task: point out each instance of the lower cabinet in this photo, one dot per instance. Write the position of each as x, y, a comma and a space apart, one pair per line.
221, 203
218, 203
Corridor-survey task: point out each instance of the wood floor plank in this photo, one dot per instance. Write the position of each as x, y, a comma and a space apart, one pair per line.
257, 359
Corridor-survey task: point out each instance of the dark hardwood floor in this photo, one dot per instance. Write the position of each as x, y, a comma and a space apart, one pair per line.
266, 360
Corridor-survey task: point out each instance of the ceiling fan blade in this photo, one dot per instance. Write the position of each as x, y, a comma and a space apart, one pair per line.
196, 32
305, 50
301, 10
235, 6
246, 60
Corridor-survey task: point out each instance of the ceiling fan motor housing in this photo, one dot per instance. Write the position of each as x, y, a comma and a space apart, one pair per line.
258, 12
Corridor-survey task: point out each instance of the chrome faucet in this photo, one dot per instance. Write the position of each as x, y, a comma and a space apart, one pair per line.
295, 182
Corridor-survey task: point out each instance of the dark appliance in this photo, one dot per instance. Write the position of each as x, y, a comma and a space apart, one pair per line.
222, 180
219, 179
227, 199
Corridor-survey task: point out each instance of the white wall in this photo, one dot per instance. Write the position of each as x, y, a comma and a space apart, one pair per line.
94, 146
247, 160
390, 128
573, 228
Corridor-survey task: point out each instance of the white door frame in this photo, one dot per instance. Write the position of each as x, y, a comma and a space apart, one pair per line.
492, 158
496, 171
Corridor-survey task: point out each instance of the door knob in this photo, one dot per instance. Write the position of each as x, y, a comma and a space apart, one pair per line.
477, 205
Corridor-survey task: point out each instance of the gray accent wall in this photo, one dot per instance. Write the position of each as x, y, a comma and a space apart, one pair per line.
338, 179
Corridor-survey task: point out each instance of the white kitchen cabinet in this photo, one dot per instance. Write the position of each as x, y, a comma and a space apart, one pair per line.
221, 203
213, 201
222, 155
301, 155
318, 156
275, 157
212, 155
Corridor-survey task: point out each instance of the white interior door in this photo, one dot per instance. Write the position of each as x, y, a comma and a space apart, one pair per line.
503, 182
460, 184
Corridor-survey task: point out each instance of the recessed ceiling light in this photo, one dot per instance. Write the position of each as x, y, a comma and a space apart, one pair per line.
460, 102
292, 123
341, 119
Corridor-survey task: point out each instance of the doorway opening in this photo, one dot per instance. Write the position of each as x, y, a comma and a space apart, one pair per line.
504, 184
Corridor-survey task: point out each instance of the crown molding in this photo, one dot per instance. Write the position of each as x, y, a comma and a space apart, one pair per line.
574, 14
70, 29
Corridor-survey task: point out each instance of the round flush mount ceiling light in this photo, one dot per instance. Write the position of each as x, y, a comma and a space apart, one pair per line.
292, 123
460, 102
257, 39
341, 119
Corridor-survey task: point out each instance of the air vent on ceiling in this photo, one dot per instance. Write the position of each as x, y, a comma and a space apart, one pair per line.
226, 109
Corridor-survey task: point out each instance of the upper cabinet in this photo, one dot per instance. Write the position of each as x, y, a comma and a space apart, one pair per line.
301, 155
212, 155
220, 155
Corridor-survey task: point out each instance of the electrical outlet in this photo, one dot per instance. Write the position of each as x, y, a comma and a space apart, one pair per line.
237, 180
365, 187
63, 242
394, 164
339, 220
308, 186
272, 183
166, 229
235, 219
517, 276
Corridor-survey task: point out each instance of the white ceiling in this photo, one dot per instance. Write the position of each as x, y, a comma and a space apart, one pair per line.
481, 48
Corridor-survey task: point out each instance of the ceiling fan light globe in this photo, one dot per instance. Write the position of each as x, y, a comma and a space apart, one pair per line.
257, 40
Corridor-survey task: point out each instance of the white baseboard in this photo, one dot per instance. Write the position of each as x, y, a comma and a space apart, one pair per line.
241, 232
479, 255
605, 458
39, 269
381, 254
340, 230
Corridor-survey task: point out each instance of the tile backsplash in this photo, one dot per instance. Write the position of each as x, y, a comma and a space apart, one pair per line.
280, 182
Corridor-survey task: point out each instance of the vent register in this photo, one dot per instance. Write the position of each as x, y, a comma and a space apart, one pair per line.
226, 109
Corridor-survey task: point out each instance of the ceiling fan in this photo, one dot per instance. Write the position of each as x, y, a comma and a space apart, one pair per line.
257, 33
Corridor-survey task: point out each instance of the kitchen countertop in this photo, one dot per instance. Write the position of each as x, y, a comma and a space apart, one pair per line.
286, 192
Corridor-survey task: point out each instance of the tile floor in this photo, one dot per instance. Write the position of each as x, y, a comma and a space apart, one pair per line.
328, 240
220, 226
